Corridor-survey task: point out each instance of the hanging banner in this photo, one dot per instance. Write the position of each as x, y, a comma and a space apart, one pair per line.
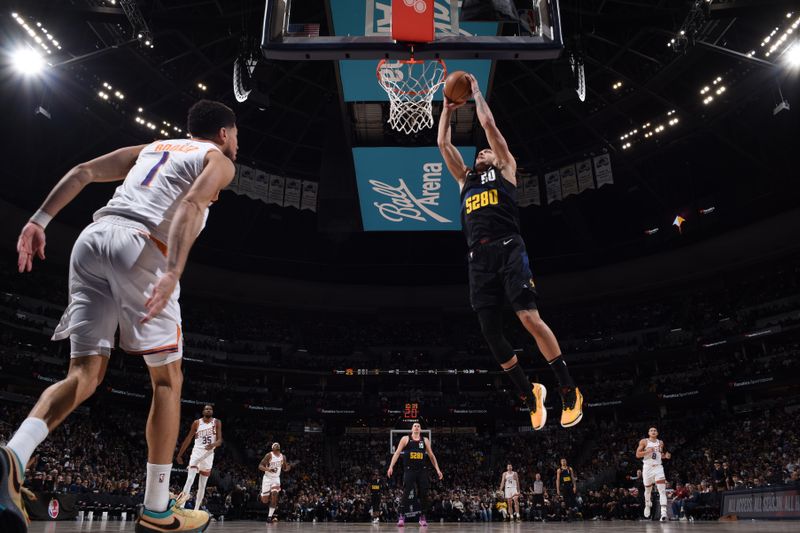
275, 195
309, 200
585, 180
552, 183
247, 181
528, 190
532, 190
261, 185
602, 169
569, 182
293, 192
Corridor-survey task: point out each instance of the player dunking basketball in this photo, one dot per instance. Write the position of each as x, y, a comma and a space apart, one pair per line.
498, 262
651, 452
415, 475
207, 435
124, 273
272, 464
509, 485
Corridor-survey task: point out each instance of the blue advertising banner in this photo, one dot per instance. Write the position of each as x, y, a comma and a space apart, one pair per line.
373, 17
407, 189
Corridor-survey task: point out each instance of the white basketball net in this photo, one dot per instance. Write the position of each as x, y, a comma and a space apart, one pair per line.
411, 86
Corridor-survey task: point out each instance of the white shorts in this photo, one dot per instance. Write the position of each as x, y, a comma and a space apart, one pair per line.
651, 474
113, 268
270, 484
200, 460
511, 492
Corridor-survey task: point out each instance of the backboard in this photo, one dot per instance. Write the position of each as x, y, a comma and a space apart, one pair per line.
361, 29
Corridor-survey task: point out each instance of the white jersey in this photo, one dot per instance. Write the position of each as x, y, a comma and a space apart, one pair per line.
275, 465
163, 174
511, 481
653, 453
206, 434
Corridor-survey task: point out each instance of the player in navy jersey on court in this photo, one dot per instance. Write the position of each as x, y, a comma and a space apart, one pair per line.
499, 267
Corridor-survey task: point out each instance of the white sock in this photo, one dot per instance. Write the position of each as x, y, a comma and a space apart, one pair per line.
201, 491
156, 488
30, 434
271, 511
187, 487
662, 497
648, 495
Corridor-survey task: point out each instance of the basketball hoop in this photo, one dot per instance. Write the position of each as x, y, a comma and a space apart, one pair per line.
411, 85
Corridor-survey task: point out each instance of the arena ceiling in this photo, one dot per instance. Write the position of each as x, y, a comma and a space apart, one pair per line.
731, 158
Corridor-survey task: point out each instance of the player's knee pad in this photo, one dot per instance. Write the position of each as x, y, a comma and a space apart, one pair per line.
491, 321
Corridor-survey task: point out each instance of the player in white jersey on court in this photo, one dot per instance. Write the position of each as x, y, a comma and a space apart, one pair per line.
272, 464
651, 451
124, 273
509, 485
207, 435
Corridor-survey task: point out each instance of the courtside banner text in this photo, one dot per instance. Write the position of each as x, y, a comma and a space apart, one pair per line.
407, 189
777, 502
374, 17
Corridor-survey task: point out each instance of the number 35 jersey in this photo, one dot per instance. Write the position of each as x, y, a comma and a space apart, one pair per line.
163, 174
206, 434
488, 207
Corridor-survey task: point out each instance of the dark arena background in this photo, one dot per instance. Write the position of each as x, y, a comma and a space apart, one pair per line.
326, 304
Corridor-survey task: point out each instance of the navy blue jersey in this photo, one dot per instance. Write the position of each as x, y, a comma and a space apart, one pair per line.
488, 207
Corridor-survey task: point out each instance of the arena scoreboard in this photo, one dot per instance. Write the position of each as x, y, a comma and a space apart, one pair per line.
411, 412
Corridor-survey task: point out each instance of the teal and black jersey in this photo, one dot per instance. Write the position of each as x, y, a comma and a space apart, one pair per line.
488, 207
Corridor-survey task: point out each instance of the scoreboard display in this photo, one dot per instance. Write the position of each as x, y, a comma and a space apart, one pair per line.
411, 412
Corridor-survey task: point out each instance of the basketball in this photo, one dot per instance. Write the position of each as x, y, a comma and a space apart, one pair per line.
457, 87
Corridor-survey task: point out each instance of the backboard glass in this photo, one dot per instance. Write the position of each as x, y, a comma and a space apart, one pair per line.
361, 29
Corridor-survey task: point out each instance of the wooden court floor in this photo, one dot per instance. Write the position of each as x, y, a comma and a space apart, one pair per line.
498, 527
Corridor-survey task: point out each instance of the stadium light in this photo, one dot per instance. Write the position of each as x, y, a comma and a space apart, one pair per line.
27, 61
792, 57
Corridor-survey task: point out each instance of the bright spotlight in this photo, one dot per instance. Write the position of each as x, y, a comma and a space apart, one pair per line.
27, 61
793, 55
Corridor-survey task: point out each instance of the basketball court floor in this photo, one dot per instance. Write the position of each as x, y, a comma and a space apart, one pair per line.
296, 527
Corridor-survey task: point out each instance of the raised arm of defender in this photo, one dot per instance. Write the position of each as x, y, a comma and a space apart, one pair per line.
113, 166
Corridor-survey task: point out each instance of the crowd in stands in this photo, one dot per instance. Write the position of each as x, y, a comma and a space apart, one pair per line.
653, 347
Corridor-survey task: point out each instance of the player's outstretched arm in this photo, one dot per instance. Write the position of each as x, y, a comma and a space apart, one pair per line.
452, 157
433, 457
496, 140
185, 444
113, 166
186, 225
400, 446
502, 480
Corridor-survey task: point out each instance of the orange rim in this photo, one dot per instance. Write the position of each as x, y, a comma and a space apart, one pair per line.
406, 62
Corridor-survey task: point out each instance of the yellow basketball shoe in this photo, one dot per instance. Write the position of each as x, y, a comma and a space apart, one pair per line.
173, 519
539, 413
13, 518
572, 409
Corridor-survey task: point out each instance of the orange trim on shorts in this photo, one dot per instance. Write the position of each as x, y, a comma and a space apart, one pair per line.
166, 348
159, 244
